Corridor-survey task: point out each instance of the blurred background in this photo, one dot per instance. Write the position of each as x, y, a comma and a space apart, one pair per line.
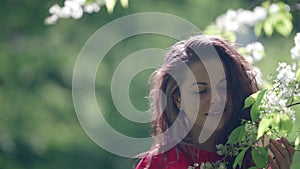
39, 128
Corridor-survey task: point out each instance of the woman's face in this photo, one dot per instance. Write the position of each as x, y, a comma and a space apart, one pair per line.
204, 96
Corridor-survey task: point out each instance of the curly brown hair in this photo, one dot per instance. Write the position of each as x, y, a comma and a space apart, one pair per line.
241, 83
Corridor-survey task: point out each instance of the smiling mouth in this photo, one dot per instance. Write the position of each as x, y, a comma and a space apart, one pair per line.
213, 113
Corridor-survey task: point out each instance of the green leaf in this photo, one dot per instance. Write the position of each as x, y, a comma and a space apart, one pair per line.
284, 123
268, 26
254, 112
298, 75
284, 27
263, 150
239, 158
266, 4
236, 135
296, 98
288, 15
297, 143
251, 99
214, 30
264, 125
110, 5
260, 156
124, 3
258, 28
253, 168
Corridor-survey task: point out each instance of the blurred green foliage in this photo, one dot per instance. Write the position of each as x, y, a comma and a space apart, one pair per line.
38, 125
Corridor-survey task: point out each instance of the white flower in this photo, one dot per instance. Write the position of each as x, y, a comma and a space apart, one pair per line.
285, 73
90, 8
246, 17
297, 39
282, 102
249, 127
80, 2
287, 8
274, 8
231, 13
65, 12
276, 100
206, 165
256, 50
222, 166
260, 13
72, 4
228, 21
213, 165
194, 166
295, 51
76, 14
72, 8
55, 9
255, 46
51, 20
249, 58
221, 149
234, 20
75, 7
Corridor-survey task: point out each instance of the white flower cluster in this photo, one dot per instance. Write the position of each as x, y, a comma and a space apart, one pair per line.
286, 73
71, 9
229, 149
195, 165
251, 133
285, 88
209, 165
215, 165
233, 20
295, 51
272, 103
240, 20
274, 8
248, 139
254, 52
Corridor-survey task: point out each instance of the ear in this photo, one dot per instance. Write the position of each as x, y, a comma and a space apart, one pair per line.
177, 100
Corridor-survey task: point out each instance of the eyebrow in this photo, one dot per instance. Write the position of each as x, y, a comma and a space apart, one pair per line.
204, 83
222, 80
199, 83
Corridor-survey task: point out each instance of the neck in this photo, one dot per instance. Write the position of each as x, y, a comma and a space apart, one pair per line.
209, 145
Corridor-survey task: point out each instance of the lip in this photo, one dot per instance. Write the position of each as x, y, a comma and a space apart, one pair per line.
215, 113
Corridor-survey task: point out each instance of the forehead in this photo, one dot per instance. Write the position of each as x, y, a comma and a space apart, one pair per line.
210, 71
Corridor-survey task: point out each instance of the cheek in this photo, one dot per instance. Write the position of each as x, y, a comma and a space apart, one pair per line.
189, 105
193, 104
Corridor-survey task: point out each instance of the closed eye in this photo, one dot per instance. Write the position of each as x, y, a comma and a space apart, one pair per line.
201, 92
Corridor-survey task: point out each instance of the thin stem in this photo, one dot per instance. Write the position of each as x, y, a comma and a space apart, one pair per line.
294, 104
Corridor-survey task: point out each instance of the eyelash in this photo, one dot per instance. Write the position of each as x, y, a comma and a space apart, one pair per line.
201, 92
204, 91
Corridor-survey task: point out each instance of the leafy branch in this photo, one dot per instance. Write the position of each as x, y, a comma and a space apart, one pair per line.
76, 8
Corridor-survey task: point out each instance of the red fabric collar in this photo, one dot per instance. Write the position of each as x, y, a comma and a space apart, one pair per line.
175, 159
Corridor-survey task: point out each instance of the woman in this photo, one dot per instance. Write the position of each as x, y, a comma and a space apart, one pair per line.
197, 100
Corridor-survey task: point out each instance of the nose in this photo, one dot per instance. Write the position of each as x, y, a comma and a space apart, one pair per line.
218, 97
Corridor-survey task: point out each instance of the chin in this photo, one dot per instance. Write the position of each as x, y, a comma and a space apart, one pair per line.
221, 126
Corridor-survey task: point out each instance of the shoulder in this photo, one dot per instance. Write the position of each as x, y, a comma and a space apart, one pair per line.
171, 159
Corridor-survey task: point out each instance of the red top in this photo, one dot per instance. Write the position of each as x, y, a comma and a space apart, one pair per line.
175, 160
